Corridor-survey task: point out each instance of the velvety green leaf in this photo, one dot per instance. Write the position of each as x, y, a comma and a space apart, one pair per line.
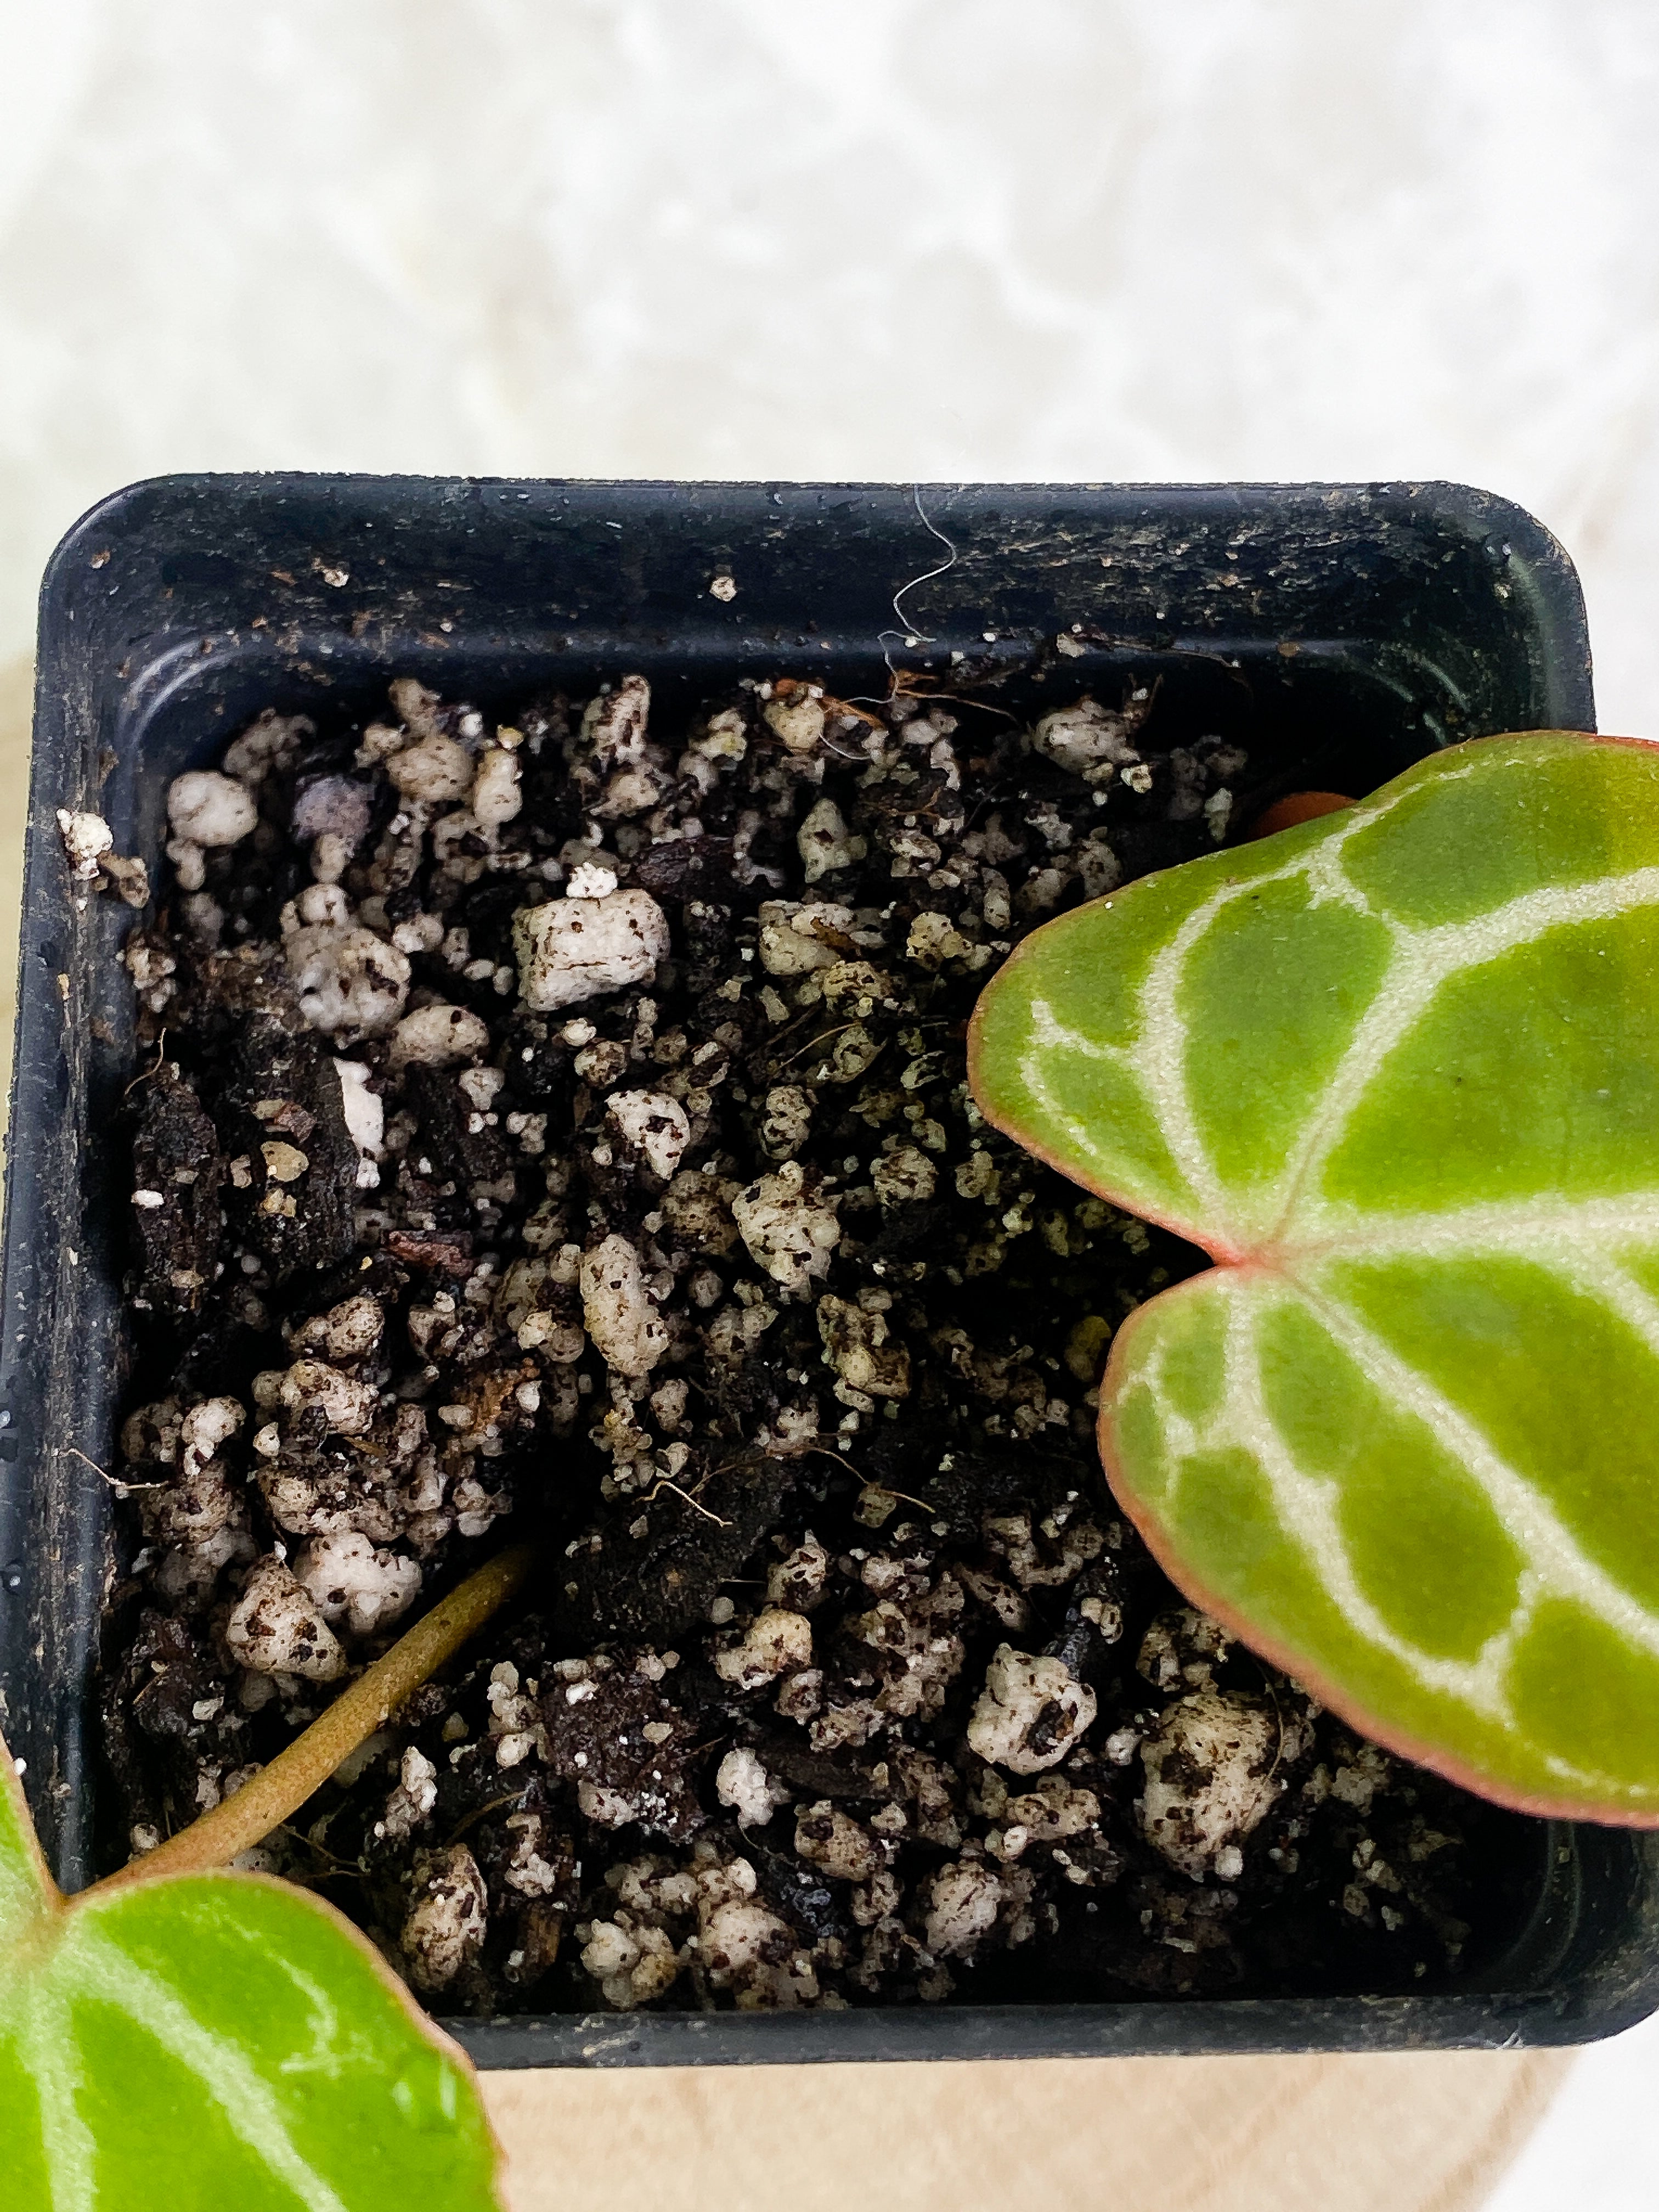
210, 2040
1397, 1071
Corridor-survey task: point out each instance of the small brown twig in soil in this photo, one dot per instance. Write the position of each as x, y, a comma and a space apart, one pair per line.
857, 759
278, 1790
914, 683
482, 1812
338, 1865
121, 1489
822, 1451
793, 1449
824, 1037
147, 1074
1269, 1686
663, 1483
903, 1497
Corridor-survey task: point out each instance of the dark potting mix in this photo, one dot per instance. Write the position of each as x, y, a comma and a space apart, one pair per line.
560, 1132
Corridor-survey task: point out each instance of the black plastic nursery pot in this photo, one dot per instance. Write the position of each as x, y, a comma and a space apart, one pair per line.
1344, 631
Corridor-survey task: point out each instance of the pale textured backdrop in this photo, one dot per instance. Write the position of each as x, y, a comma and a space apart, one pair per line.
877, 238
885, 238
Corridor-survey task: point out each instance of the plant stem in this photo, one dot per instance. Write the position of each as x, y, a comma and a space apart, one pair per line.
278, 1790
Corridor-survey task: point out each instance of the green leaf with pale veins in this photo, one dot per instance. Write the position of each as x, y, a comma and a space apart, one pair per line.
1397, 1071
213, 2040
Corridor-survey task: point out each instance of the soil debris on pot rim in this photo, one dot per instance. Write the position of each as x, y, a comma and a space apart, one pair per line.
568, 1120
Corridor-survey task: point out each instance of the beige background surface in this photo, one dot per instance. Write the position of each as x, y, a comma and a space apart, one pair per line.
1404, 2134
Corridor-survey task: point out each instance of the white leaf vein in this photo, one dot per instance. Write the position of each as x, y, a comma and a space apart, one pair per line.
49, 2051
1425, 961
104, 1972
1549, 1545
1307, 1507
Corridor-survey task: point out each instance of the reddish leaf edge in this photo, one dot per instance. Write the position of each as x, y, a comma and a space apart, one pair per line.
1218, 1249
1227, 1255
61, 1909
1284, 1656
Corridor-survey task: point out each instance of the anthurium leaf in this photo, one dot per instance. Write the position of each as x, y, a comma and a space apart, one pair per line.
207, 2040
1397, 1071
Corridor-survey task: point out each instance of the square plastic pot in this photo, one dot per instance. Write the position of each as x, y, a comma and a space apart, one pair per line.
1338, 630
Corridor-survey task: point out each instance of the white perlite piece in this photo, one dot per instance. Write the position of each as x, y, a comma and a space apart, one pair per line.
272, 740
496, 797
613, 737
1022, 1691
206, 808
438, 1036
614, 724
1050, 1814
965, 1901
345, 1331
203, 1429
89, 845
934, 938
798, 1580
902, 1176
787, 1121
1181, 1650
653, 1124
797, 719
413, 1799
347, 1405
276, 1628
86, 838
445, 1931
1099, 870
825, 843
197, 1509
838, 1845
626, 1328
1357, 1784
857, 1345
574, 948
433, 773
631, 1966
776, 1642
365, 1113
1087, 740
591, 879
788, 1233
741, 1781
795, 938
347, 1579
347, 978
745, 1947
1209, 1777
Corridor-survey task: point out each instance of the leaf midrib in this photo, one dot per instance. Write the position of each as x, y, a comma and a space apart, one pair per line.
1603, 1227
1423, 959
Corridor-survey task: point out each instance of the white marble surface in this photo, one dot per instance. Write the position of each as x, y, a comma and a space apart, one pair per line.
906, 238
1597, 2147
866, 238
